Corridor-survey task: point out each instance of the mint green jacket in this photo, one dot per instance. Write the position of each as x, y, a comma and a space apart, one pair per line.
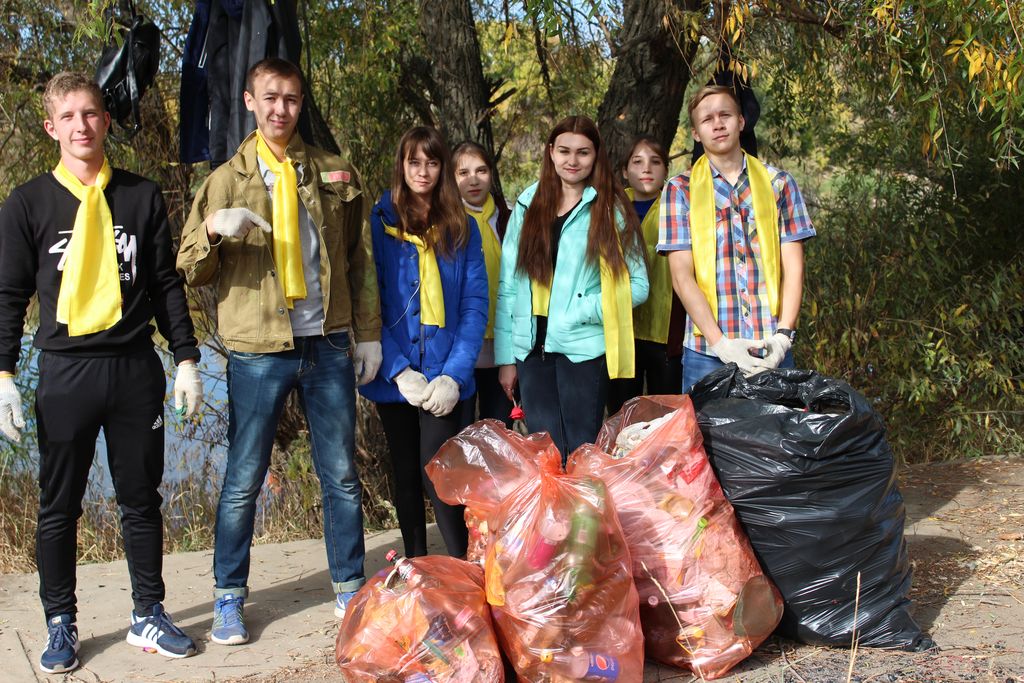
575, 322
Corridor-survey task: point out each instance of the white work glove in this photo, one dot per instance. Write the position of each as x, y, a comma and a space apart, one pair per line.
188, 389
778, 345
736, 351
237, 222
441, 396
366, 361
11, 419
412, 385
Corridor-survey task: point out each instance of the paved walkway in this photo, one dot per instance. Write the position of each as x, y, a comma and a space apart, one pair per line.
963, 532
290, 615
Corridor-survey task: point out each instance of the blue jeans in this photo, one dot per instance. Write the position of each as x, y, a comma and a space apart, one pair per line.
697, 366
320, 368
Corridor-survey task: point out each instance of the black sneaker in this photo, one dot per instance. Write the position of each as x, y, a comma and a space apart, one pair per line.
61, 653
156, 632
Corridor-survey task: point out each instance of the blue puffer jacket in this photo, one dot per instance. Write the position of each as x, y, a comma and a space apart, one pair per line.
575, 318
405, 341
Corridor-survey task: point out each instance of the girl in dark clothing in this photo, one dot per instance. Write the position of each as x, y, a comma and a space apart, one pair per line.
658, 322
473, 173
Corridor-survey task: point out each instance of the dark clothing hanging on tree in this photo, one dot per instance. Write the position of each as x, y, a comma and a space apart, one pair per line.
193, 133
238, 34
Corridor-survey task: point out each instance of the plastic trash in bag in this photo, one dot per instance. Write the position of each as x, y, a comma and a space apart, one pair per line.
559, 583
804, 461
424, 620
705, 603
479, 467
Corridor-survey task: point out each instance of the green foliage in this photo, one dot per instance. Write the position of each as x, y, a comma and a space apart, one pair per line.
930, 76
578, 77
932, 331
355, 50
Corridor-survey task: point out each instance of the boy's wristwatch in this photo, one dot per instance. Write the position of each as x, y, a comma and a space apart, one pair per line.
789, 333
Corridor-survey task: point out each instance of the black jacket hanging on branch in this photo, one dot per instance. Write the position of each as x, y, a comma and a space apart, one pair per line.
238, 34
193, 131
126, 71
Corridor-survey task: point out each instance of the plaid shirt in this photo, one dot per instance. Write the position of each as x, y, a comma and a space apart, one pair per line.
743, 310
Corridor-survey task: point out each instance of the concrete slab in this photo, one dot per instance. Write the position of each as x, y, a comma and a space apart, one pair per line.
963, 533
290, 615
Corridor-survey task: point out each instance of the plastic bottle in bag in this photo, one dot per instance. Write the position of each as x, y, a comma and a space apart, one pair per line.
580, 665
586, 524
405, 569
552, 531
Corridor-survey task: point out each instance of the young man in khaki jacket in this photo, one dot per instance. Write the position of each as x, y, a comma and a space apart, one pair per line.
281, 231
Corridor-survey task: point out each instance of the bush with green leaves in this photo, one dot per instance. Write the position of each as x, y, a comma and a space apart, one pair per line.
901, 302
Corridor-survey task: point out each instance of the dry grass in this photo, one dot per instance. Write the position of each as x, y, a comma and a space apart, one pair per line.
289, 506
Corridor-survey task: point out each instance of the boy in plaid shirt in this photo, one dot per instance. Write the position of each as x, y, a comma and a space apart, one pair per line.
741, 285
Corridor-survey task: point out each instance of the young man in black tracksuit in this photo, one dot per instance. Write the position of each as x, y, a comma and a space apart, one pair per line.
94, 244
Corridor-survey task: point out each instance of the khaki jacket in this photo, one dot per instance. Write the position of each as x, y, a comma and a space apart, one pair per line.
252, 315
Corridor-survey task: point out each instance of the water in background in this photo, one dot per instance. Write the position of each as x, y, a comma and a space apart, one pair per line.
189, 445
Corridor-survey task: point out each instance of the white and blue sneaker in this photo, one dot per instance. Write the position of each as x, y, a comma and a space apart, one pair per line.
341, 603
61, 653
156, 632
228, 626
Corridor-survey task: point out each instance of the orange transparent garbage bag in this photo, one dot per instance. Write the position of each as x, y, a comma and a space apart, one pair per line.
559, 583
705, 603
425, 620
479, 467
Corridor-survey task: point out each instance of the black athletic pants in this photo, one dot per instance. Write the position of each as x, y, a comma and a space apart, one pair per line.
414, 436
75, 398
663, 375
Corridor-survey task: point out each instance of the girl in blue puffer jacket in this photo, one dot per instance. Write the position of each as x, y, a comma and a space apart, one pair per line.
573, 266
433, 297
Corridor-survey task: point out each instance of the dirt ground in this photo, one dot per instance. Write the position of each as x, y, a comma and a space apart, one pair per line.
965, 533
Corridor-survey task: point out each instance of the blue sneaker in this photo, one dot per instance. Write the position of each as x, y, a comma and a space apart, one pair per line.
61, 653
341, 604
156, 632
228, 627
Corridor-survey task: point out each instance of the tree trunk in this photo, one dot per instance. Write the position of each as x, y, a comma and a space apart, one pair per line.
651, 73
453, 76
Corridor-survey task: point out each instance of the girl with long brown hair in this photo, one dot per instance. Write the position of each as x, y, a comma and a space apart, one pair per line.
572, 268
433, 300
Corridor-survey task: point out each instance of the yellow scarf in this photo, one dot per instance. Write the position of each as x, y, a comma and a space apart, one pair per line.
651, 318
492, 257
287, 245
702, 230
89, 299
431, 292
616, 314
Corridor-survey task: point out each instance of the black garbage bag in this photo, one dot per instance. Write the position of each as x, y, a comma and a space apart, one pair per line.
804, 461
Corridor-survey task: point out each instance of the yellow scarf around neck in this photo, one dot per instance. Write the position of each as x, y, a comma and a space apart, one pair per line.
89, 299
287, 244
651, 318
616, 314
431, 291
492, 257
702, 230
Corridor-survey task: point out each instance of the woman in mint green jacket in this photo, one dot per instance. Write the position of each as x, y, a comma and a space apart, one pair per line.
572, 268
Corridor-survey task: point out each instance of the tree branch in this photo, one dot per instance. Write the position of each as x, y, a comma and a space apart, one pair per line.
796, 14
